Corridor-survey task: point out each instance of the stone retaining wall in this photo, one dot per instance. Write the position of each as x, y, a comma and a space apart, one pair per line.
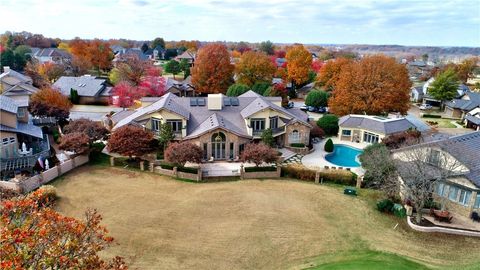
257, 175
442, 230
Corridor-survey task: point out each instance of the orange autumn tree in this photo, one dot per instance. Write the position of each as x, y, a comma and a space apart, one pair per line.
329, 73
299, 62
212, 72
255, 67
50, 102
96, 53
34, 236
374, 85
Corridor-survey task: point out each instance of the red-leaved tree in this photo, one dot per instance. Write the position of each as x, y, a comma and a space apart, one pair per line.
130, 141
124, 95
183, 152
258, 154
152, 84
76, 142
94, 130
33, 236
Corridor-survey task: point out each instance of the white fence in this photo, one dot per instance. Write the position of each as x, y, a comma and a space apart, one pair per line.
29, 184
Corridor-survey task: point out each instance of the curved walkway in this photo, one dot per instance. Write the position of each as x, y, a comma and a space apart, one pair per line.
316, 159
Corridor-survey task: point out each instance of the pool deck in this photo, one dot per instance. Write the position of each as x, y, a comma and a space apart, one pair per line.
316, 159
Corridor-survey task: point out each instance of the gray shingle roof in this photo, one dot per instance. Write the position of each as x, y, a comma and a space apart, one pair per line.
473, 119
86, 86
466, 105
24, 128
201, 119
52, 52
8, 104
376, 124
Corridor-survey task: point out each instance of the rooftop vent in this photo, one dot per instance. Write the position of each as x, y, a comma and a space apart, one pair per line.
215, 101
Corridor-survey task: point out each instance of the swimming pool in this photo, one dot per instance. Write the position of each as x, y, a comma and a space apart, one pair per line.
344, 155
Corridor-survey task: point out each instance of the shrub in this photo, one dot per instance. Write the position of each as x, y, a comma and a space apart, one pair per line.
332, 176
76, 142
45, 195
258, 153
298, 145
316, 132
431, 115
187, 170
329, 124
183, 152
385, 206
261, 169
395, 141
97, 146
329, 146
74, 98
267, 137
6, 194
166, 166
56, 135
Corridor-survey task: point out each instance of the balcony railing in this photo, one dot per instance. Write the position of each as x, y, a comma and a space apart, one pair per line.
275, 131
39, 149
177, 134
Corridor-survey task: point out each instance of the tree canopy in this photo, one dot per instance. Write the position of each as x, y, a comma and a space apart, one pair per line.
173, 67
374, 85
130, 141
237, 89
212, 72
255, 67
317, 98
267, 47
329, 124
258, 154
445, 86
299, 61
183, 152
49, 102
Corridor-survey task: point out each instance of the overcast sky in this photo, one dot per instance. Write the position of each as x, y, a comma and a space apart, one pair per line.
405, 22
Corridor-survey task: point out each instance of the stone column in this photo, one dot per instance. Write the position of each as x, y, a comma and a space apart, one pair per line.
112, 161
241, 172
151, 165
317, 177
142, 165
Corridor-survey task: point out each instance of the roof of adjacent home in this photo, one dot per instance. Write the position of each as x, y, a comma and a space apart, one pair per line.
8, 104
466, 105
465, 148
376, 123
24, 128
201, 119
52, 52
86, 85
186, 55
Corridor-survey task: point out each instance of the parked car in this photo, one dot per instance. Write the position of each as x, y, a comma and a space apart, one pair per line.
304, 107
321, 110
425, 106
311, 109
290, 105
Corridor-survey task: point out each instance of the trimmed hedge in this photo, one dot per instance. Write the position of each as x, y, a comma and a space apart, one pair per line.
431, 116
261, 169
301, 172
187, 170
166, 166
385, 206
329, 146
297, 145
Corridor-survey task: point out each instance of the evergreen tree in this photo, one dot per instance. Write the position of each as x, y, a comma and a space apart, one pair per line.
166, 135
267, 137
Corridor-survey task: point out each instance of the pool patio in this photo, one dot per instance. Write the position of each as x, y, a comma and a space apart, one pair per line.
316, 159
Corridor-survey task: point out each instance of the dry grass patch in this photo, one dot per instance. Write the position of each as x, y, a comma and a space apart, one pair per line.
161, 223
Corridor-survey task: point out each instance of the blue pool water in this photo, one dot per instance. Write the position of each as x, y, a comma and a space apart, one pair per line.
344, 155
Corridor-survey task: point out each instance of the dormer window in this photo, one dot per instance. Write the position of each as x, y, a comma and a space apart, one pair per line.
21, 112
434, 157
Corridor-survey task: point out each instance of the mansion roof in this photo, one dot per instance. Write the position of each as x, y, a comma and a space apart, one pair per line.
376, 124
201, 119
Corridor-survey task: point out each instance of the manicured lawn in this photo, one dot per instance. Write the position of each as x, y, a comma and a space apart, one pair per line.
442, 123
162, 223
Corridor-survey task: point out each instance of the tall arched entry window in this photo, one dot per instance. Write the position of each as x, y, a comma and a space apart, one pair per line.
218, 145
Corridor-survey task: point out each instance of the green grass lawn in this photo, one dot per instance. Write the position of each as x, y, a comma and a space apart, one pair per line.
162, 223
369, 260
442, 123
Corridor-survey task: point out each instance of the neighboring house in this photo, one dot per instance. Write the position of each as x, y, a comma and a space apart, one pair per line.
181, 89
91, 90
22, 142
472, 119
459, 107
460, 192
128, 53
221, 125
416, 94
427, 99
52, 55
116, 48
16, 85
149, 54
304, 90
189, 56
280, 62
371, 129
158, 53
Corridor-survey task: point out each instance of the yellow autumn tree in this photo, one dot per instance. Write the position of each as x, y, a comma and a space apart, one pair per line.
255, 67
299, 62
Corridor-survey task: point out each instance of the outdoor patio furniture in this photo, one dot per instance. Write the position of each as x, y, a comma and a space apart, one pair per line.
237, 158
211, 159
442, 216
475, 217
326, 167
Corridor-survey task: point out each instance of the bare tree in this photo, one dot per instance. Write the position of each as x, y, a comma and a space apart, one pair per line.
420, 167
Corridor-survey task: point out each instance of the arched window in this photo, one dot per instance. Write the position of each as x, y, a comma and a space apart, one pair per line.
218, 145
294, 136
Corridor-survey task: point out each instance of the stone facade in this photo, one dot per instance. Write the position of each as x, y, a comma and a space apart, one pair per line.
303, 133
